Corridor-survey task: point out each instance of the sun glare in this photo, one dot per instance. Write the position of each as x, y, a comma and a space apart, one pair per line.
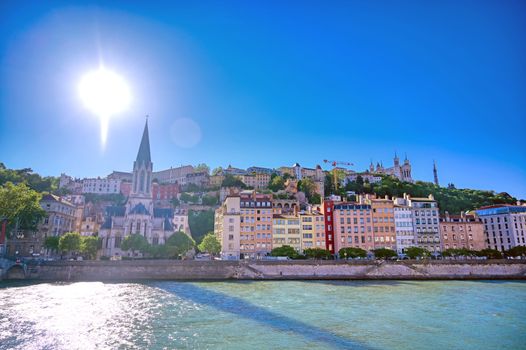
104, 93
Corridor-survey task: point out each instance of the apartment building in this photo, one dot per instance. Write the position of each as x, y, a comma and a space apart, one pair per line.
425, 222
286, 231
504, 226
462, 231
382, 210
61, 216
312, 230
227, 227
404, 230
353, 226
243, 225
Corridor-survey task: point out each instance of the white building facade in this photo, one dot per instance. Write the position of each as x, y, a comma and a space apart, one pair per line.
504, 226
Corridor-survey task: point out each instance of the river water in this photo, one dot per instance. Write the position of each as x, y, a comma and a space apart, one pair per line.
264, 315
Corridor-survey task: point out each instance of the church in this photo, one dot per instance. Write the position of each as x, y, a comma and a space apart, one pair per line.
139, 215
400, 171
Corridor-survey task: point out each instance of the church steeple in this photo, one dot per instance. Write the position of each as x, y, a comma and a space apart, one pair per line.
142, 168
144, 149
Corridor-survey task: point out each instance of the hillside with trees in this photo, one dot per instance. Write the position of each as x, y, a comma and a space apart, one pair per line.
449, 198
28, 177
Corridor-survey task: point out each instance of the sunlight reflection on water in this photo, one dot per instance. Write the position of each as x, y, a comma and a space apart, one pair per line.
294, 315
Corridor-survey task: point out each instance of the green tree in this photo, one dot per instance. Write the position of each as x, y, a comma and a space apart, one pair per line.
209, 200
52, 243
453, 252
202, 168
20, 205
276, 183
384, 253
217, 171
352, 252
285, 250
517, 251
416, 252
28, 177
200, 222
317, 253
175, 202
315, 199
329, 185
307, 186
69, 242
210, 244
89, 246
180, 243
136, 243
232, 181
490, 253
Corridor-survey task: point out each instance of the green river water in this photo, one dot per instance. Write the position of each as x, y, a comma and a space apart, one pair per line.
264, 315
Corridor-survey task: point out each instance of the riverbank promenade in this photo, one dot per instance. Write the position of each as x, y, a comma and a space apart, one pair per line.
126, 270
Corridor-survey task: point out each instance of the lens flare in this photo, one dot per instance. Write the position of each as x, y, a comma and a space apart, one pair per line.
105, 94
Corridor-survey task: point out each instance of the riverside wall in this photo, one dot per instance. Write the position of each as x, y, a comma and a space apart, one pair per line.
133, 270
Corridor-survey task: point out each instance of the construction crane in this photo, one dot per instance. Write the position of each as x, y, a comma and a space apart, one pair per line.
334, 164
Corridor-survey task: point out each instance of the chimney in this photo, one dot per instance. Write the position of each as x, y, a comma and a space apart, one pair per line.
431, 197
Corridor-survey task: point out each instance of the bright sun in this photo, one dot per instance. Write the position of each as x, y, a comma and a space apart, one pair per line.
105, 93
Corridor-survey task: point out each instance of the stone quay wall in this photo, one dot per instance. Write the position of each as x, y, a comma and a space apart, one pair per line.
134, 270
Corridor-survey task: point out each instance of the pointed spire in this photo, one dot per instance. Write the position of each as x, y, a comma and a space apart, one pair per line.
435, 173
144, 149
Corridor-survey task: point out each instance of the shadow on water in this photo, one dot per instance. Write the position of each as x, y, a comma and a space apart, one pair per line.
243, 308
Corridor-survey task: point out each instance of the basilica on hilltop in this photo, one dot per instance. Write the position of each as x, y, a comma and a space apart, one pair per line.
400, 171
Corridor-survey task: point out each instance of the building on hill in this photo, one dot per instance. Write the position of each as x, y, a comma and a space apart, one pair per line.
260, 170
399, 171
216, 180
285, 206
173, 175
230, 170
61, 216
258, 181
462, 231
180, 221
299, 172
101, 186
200, 179
366, 177
120, 175
139, 215
504, 226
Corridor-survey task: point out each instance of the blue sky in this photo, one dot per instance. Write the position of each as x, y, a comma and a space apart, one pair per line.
272, 83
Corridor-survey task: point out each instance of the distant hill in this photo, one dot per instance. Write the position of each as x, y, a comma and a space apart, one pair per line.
449, 198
